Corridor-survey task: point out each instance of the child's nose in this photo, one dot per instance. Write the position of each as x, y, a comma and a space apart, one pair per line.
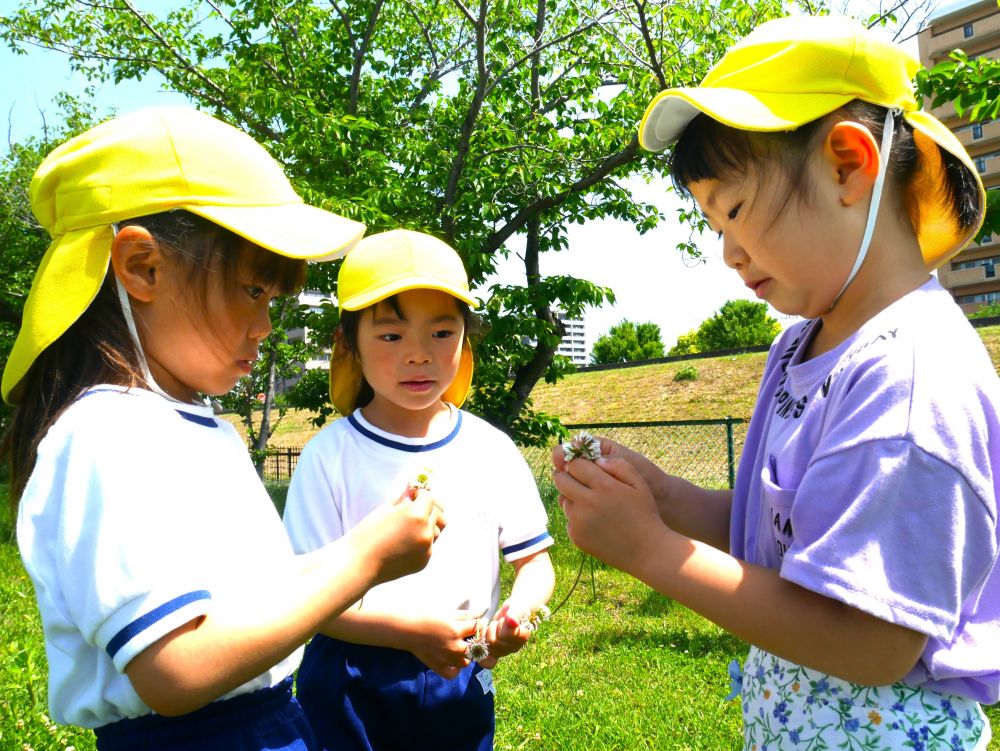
261, 326
733, 254
418, 355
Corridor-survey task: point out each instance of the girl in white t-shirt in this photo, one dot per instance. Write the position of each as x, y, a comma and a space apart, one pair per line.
173, 606
396, 670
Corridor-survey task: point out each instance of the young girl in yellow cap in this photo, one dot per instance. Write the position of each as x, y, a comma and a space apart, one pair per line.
858, 552
408, 666
173, 606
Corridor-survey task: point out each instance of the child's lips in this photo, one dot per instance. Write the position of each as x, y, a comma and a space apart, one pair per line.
757, 287
418, 386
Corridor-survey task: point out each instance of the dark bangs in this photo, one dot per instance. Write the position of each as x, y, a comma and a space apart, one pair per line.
710, 150
204, 248
285, 274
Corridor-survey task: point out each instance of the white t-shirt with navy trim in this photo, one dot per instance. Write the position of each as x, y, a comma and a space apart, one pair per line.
477, 475
139, 511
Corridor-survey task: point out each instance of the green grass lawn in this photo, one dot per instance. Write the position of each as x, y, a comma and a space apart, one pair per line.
617, 667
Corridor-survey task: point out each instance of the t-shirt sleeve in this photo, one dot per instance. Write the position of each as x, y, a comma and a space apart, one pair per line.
120, 566
887, 528
523, 521
312, 515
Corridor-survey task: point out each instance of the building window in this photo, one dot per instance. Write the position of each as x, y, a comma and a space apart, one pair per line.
981, 164
977, 130
967, 30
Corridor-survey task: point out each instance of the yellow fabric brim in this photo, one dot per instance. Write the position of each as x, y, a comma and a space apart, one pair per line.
671, 111
67, 281
294, 230
346, 375
939, 235
394, 287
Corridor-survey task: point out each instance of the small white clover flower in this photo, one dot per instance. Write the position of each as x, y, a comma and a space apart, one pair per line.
477, 650
534, 618
582, 446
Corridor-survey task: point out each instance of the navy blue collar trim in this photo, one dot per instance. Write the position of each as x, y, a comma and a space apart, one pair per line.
207, 422
412, 448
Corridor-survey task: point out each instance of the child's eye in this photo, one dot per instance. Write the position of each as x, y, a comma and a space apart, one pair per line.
390, 337
255, 292
443, 334
735, 212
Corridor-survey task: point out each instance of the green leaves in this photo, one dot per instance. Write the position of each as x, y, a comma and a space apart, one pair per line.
739, 323
628, 342
481, 129
972, 85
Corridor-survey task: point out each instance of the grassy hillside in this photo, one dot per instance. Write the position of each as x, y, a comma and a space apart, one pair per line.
725, 386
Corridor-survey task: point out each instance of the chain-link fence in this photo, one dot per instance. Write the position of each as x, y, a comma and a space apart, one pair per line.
702, 451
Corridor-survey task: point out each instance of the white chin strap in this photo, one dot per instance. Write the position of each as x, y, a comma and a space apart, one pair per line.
130, 322
883, 162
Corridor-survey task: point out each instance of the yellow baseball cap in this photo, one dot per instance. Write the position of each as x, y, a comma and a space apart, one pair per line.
148, 162
384, 265
791, 71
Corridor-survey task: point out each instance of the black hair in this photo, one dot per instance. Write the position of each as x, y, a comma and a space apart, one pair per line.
97, 347
708, 149
348, 328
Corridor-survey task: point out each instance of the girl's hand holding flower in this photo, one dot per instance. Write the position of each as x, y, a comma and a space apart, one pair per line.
509, 631
610, 511
441, 644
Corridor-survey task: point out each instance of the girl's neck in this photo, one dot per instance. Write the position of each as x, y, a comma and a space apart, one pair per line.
894, 268
406, 422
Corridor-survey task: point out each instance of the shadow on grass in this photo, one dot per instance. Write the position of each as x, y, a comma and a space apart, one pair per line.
679, 640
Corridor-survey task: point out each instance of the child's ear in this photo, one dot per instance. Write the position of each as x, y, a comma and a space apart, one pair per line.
852, 154
138, 261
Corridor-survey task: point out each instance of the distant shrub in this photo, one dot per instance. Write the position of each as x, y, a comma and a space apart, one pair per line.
687, 373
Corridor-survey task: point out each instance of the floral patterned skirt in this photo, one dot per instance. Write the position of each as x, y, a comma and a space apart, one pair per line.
787, 706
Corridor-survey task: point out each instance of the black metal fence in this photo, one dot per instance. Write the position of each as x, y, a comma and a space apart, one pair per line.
702, 451
279, 463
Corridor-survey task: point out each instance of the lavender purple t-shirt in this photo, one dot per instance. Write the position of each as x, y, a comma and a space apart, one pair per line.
870, 475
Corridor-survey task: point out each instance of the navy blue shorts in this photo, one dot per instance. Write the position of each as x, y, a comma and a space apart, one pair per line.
361, 698
267, 719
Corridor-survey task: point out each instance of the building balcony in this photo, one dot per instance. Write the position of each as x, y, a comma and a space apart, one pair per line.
985, 37
985, 137
955, 279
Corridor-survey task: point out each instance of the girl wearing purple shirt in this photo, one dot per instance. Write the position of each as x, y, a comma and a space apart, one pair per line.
857, 554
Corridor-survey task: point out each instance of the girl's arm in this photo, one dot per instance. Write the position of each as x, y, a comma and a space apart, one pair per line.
249, 631
612, 514
534, 580
439, 643
693, 511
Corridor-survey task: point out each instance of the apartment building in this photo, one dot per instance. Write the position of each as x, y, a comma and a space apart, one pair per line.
974, 27
574, 344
